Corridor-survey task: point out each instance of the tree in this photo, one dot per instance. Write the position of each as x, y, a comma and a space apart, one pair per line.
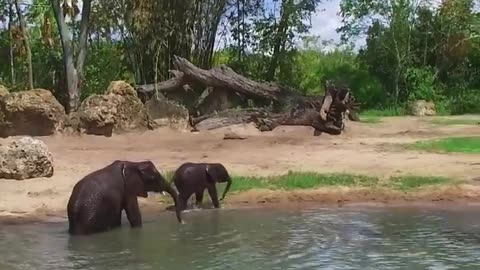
389, 39
291, 22
73, 71
23, 29
11, 42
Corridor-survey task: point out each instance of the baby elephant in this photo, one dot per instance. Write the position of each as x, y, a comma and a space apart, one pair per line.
192, 178
98, 199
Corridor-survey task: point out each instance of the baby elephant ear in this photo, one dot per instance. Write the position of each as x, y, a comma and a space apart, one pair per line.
211, 173
147, 169
133, 180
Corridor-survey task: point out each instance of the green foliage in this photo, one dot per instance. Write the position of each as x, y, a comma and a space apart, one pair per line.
467, 102
105, 63
419, 84
414, 50
455, 144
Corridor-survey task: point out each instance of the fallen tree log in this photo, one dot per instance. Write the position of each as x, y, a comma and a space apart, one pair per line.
266, 120
324, 113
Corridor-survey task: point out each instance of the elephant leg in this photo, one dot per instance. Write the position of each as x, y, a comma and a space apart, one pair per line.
184, 196
212, 191
199, 198
133, 212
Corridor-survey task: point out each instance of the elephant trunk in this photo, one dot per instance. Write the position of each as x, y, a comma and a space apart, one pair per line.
174, 195
229, 183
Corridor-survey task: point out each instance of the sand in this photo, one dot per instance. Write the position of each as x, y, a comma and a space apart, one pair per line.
364, 148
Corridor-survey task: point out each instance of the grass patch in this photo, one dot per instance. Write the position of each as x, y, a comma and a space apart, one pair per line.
309, 180
384, 112
454, 144
406, 183
300, 180
374, 116
453, 121
370, 119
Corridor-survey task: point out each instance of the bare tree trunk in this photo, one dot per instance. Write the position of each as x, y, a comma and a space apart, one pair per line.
73, 73
83, 49
279, 39
12, 59
26, 42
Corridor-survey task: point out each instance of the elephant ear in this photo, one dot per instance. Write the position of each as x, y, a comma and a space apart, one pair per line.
212, 174
133, 180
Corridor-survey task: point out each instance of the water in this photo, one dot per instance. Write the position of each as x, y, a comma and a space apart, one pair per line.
343, 238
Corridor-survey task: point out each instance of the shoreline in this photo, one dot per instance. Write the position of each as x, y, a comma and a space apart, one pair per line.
359, 167
436, 196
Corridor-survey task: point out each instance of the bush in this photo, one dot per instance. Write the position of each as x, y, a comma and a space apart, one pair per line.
468, 102
420, 84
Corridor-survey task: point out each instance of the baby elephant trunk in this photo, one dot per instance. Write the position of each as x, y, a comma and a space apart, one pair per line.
229, 183
174, 195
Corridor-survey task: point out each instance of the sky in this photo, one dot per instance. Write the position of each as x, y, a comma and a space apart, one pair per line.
325, 21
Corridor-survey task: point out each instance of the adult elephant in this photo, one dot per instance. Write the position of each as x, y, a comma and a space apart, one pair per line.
97, 200
192, 178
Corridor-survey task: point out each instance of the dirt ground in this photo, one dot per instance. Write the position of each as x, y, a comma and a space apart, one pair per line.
363, 149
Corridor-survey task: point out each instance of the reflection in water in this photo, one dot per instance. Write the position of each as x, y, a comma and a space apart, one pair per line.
258, 239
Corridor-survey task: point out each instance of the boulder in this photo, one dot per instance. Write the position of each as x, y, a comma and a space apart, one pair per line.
164, 112
422, 108
121, 88
34, 112
233, 136
25, 158
106, 114
3, 91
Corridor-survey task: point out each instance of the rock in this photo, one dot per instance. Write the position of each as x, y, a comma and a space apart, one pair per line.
422, 108
121, 88
3, 91
34, 112
105, 114
163, 112
25, 158
72, 124
217, 100
233, 136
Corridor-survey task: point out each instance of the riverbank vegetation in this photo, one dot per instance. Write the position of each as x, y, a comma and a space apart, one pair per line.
450, 145
413, 50
311, 180
296, 180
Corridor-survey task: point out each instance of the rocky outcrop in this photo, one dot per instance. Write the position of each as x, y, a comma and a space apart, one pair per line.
422, 108
25, 158
3, 91
118, 111
34, 112
163, 112
121, 88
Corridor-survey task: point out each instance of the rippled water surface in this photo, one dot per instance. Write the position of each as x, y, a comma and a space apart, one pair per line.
324, 238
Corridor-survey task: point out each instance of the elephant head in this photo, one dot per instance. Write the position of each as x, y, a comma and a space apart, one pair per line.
142, 177
216, 172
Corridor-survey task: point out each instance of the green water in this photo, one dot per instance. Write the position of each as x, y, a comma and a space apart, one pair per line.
324, 238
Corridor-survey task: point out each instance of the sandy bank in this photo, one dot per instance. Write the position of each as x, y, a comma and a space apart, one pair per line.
363, 149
